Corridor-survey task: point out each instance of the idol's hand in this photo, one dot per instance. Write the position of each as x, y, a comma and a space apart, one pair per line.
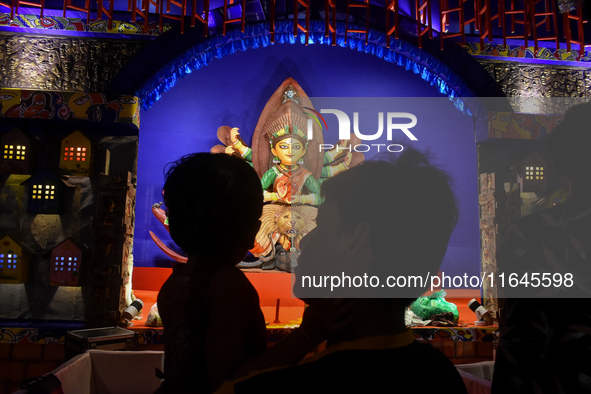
269, 196
234, 135
348, 159
345, 143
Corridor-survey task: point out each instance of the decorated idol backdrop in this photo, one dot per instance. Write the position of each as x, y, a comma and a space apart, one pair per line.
232, 92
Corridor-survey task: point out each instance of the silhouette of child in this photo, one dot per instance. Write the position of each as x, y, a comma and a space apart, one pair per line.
214, 328
546, 330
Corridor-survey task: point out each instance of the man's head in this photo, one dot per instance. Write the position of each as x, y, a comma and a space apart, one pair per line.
214, 203
383, 218
569, 145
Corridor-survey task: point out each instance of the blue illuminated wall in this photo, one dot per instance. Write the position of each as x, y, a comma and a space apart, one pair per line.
233, 90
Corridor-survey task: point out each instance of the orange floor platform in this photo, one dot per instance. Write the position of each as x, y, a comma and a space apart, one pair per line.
274, 288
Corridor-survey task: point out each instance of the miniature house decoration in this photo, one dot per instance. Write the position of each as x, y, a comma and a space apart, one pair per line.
17, 157
76, 154
533, 174
44, 193
65, 264
13, 264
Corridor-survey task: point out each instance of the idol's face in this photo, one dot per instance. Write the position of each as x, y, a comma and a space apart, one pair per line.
289, 151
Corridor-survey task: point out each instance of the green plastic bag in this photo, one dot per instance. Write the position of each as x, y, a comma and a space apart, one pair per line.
434, 304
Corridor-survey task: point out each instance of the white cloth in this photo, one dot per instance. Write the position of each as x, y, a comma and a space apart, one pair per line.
111, 372
477, 376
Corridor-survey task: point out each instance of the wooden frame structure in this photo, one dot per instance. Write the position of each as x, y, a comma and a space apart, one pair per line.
525, 20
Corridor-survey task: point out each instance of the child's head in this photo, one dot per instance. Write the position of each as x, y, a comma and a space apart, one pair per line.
214, 203
569, 145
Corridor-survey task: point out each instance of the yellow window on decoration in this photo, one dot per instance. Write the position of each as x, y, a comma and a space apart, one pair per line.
20, 152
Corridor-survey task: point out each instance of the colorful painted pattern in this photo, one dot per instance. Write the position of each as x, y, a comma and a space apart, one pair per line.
521, 126
529, 52
97, 107
484, 334
79, 24
32, 335
150, 336
155, 336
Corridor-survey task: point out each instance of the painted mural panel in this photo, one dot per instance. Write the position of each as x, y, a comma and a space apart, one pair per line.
97, 107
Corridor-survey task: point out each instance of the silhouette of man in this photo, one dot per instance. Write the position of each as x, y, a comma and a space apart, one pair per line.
377, 218
544, 340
